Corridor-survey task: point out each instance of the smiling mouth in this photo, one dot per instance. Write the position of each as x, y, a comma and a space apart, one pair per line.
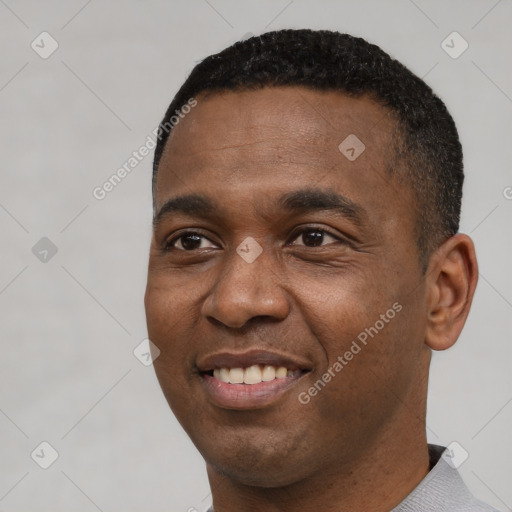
253, 379
254, 374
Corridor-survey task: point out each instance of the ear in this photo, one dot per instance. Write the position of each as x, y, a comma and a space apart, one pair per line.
451, 282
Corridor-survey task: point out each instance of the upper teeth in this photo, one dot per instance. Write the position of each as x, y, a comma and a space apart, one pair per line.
251, 375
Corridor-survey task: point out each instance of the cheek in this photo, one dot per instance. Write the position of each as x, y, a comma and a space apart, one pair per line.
166, 304
371, 340
339, 304
167, 320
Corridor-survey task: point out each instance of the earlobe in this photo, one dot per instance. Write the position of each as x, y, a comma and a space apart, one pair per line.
451, 284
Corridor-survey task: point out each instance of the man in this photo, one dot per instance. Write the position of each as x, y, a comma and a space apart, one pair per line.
305, 262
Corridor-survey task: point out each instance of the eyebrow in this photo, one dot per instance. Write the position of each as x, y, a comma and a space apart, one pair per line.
193, 205
299, 201
311, 200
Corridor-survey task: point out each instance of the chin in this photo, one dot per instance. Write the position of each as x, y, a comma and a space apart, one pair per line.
259, 462
265, 475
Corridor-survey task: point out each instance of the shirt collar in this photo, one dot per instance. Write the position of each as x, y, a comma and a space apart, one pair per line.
441, 489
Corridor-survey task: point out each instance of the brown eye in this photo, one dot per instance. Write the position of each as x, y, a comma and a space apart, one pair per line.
314, 237
189, 241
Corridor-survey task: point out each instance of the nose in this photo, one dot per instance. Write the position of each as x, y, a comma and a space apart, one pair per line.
246, 290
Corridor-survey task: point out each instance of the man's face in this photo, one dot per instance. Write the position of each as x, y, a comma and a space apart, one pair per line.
317, 271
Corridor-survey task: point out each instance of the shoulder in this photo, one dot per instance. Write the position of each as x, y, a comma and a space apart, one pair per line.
442, 489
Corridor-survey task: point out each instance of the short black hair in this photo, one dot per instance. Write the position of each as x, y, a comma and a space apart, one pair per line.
427, 149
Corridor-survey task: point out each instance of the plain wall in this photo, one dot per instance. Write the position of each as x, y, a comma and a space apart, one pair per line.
69, 325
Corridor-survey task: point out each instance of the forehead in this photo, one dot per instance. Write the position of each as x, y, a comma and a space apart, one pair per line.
292, 115
276, 137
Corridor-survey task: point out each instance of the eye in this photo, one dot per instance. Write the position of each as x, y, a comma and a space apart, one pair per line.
189, 241
315, 237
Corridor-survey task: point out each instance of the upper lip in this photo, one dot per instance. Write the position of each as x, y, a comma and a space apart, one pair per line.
250, 358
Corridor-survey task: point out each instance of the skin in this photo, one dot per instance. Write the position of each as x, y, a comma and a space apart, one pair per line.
360, 443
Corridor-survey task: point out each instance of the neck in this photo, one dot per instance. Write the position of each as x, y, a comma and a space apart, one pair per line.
382, 476
376, 484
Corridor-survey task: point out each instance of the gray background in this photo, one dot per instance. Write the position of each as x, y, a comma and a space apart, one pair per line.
69, 325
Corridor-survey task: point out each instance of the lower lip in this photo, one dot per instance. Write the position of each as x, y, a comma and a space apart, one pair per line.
247, 396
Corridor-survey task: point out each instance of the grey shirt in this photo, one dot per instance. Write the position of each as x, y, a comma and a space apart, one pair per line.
442, 490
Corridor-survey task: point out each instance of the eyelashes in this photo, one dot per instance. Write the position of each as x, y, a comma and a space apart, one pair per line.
193, 240
190, 238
